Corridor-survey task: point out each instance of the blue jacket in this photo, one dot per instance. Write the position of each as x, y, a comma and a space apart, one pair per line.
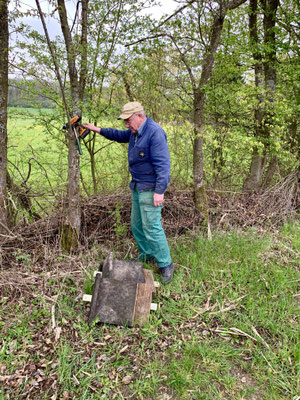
148, 156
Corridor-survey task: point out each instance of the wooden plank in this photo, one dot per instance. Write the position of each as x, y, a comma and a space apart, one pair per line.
142, 303
144, 298
149, 278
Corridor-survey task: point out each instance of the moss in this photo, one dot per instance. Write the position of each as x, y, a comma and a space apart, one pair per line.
69, 238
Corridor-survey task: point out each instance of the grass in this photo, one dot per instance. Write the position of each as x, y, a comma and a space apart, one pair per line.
226, 327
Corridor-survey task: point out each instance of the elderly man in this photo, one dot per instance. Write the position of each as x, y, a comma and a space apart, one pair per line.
149, 165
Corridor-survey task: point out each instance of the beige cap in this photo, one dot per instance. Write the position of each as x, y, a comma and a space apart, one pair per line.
130, 108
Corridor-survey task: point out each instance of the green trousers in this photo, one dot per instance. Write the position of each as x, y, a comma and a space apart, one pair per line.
147, 230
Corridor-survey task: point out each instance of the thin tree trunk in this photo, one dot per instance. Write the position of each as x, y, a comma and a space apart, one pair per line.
270, 9
265, 82
270, 173
83, 49
252, 182
3, 111
200, 196
71, 228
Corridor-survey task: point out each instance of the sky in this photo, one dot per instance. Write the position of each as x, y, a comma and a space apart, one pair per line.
166, 8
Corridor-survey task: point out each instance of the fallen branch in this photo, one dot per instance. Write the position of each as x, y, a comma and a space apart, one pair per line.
234, 331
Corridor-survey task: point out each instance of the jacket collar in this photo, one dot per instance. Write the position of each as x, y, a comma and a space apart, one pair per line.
142, 127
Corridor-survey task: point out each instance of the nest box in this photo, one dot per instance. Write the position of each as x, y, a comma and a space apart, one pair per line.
122, 293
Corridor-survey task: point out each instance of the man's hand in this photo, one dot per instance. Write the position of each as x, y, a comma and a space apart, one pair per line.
92, 128
158, 199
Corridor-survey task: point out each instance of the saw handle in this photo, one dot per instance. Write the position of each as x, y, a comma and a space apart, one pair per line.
82, 131
77, 128
79, 146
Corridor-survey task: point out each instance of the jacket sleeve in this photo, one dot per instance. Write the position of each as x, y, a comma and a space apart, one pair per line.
116, 135
160, 159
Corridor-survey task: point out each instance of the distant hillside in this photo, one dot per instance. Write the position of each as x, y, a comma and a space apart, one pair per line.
29, 94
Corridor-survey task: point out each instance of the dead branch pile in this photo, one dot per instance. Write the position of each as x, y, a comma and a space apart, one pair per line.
103, 215
266, 209
107, 217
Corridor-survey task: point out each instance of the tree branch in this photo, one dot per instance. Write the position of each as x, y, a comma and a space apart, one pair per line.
83, 44
70, 53
234, 4
54, 60
146, 38
174, 14
184, 60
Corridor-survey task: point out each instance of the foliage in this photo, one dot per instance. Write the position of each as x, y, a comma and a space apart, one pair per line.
120, 229
28, 94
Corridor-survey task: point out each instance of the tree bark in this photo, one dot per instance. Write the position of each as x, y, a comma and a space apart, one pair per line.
265, 82
252, 182
270, 10
3, 111
270, 173
200, 197
257, 165
71, 228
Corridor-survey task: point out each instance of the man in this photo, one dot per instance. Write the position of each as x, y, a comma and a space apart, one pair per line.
149, 165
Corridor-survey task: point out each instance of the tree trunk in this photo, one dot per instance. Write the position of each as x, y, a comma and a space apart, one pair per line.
254, 177
253, 180
200, 196
265, 82
71, 228
270, 10
270, 173
3, 111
